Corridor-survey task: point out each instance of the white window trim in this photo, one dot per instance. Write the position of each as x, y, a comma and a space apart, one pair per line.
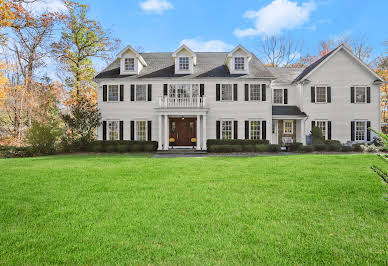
316, 87
292, 127
244, 64
179, 63
273, 96
365, 131
146, 93
260, 90
326, 126
250, 128
146, 128
134, 64
107, 96
176, 94
224, 120
222, 100
108, 129
355, 94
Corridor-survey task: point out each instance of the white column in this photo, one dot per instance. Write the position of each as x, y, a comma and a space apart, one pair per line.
166, 136
303, 132
198, 132
160, 128
204, 132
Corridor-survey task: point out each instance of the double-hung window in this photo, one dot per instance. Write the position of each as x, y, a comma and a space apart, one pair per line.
278, 96
360, 93
141, 92
360, 130
113, 130
226, 92
129, 64
321, 94
288, 127
184, 63
323, 126
239, 63
226, 129
113, 93
254, 92
254, 129
141, 130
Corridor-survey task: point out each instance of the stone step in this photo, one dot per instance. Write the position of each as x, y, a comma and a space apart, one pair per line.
181, 151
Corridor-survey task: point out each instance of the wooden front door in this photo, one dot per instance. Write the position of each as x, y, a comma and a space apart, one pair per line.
183, 130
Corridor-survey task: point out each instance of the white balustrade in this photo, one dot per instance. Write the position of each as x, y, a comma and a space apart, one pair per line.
187, 102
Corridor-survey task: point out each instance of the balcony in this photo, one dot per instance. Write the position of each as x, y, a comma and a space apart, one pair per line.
188, 102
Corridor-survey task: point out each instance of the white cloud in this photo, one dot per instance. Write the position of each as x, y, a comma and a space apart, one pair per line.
199, 45
47, 5
156, 6
277, 16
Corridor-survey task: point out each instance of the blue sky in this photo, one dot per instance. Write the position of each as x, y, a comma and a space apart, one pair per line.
161, 25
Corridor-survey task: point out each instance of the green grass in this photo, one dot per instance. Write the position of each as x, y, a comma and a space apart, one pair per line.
117, 209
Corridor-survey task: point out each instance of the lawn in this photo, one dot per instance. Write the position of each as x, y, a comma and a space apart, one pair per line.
118, 209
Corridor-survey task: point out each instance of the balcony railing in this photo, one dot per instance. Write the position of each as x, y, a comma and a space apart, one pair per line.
189, 102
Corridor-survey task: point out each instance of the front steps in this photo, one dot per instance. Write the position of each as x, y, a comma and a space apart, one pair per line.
180, 151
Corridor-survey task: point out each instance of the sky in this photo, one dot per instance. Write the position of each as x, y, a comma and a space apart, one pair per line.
213, 25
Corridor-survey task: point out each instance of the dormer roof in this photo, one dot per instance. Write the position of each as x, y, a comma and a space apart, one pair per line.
137, 55
235, 50
185, 47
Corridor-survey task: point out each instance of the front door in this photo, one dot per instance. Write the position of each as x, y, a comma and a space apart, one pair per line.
183, 130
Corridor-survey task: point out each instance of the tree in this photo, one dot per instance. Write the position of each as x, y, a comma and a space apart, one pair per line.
280, 51
381, 63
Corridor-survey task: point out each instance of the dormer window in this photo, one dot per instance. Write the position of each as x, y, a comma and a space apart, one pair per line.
184, 63
129, 64
239, 63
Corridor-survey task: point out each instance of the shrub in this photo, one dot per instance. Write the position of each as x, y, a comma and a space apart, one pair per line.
319, 147
274, 148
307, 148
211, 142
43, 137
249, 148
122, 148
333, 142
149, 148
296, 146
261, 147
346, 148
317, 135
226, 148
333, 147
111, 148
356, 147
16, 152
370, 148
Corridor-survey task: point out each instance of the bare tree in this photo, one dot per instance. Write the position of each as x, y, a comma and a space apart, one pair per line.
280, 50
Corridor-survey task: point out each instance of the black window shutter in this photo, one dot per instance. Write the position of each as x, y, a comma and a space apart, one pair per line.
235, 88
246, 92
263, 92
201, 90
132, 130
328, 129
121, 130
132, 93
329, 94
218, 88
368, 94
246, 129
368, 131
149, 92
149, 128
218, 129
121, 93
312, 124
285, 96
235, 129
104, 130
352, 131
165, 90
264, 129
352, 94
104, 93
313, 94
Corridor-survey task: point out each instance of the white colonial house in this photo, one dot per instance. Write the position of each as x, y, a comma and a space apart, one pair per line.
191, 96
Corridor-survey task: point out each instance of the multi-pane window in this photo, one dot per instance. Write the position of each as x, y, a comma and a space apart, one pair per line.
113, 130
320, 94
323, 126
141, 92
360, 94
184, 63
183, 90
255, 92
129, 64
278, 96
141, 130
360, 130
288, 127
113, 93
227, 129
226, 92
239, 63
254, 129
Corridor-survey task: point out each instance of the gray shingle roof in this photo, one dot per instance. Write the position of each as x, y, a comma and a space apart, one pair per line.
209, 65
287, 110
285, 74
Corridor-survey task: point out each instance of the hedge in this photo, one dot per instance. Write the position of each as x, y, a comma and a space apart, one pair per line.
211, 142
16, 152
122, 146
